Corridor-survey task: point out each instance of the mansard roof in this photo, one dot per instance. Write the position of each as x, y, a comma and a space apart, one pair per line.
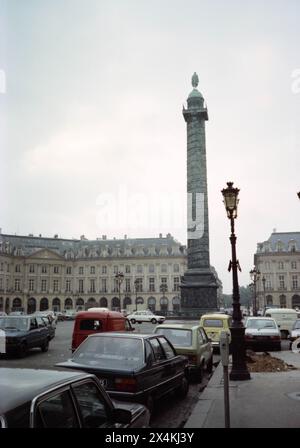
281, 242
83, 248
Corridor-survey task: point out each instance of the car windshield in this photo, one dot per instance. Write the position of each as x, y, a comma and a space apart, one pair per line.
260, 323
110, 353
297, 325
19, 323
214, 323
178, 337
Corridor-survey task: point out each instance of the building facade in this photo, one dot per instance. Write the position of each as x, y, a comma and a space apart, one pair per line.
39, 273
278, 260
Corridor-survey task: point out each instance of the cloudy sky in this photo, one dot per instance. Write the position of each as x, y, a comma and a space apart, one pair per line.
92, 136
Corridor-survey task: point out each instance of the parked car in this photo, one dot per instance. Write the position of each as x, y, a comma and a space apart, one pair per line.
191, 341
56, 399
59, 315
285, 318
133, 367
70, 314
91, 322
23, 333
213, 324
295, 333
262, 333
16, 313
145, 316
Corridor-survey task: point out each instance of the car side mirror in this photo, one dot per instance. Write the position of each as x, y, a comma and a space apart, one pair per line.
122, 416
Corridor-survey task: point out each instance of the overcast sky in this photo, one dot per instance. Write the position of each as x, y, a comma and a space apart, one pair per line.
92, 136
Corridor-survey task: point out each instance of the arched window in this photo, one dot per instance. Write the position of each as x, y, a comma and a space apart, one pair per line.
79, 304
31, 306
140, 300
176, 303
91, 303
282, 300
17, 304
127, 301
68, 304
56, 304
164, 304
152, 303
44, 304
296, 301
115, 304
103, 302
269, 300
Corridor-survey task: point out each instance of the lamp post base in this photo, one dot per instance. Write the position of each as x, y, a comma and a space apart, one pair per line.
239, 371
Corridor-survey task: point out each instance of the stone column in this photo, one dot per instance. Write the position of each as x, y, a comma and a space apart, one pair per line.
198, 285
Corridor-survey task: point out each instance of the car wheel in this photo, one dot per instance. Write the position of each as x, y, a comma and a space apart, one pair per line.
133, 321
45, 346
183, 389
154, 321
22, 351
209, 366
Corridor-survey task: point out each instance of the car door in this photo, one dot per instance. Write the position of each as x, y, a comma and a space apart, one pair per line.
94, 409
205, 347
176, 362
56, 410
43, 334
33, 337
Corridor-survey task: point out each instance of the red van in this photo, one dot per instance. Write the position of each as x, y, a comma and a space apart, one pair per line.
91, 322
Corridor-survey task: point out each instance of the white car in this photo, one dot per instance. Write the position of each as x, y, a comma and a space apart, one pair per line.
145, 316
262, 333
295, 334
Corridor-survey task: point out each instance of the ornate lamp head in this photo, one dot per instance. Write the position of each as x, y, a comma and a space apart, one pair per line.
231, 200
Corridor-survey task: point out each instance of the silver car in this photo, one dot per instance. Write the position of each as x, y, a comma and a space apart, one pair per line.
262, 333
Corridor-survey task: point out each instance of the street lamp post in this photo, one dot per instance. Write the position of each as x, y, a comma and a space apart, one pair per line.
255, 275
120, 277
136, 282
264, 289
239, 369
298, 194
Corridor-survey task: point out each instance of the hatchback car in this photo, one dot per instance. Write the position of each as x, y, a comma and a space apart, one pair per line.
145, 316
191, 341
213, 324
132, 367
55, 399
262, 333
23, 333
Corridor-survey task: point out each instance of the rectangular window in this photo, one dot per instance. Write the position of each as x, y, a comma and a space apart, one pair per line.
31, 285
18, 268
164, 284
127, 269
1, 267
116, 269
176, 267
280, 265
1, 284
68, 286
104, 269
92, 285
17, 284
281, 282
44, 285
164, 268
152, 284
69, 270
268, 284
138, 283
151, 268
44, 269
139, 269
7, 268
80, 286
176, 284
267, 265
92, 269
56, 269
294, 264
31, 268
103, 285
80, 270
295, 282
127, 284
55, 285
116, 285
